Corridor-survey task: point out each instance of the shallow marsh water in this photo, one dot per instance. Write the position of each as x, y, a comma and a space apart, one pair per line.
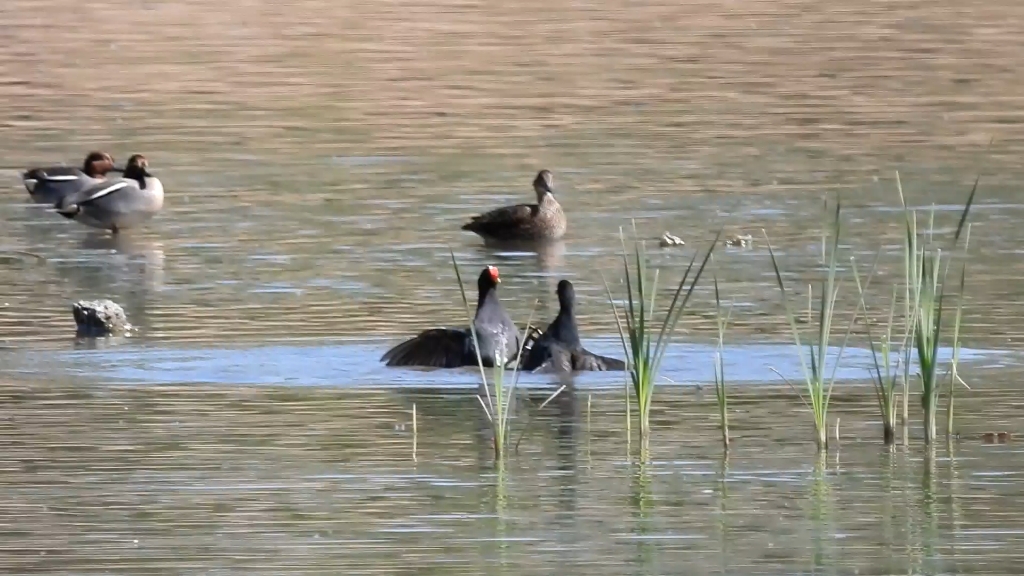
319, 159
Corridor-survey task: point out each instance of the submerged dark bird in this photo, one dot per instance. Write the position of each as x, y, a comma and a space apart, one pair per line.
51, 184
524, 222
558, 348
453, 347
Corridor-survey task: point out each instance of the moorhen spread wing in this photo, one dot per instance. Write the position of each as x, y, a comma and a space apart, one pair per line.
453, 347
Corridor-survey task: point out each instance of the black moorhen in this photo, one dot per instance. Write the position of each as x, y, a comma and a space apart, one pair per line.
524, 222
453, 347
558, 349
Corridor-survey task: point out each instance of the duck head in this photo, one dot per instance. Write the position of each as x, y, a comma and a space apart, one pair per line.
97, 164
542, 184
137, 168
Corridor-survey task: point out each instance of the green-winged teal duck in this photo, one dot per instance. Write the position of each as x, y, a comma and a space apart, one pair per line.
50, 185
117, 203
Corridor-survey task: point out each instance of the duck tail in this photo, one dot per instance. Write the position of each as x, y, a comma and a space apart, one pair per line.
68, 211
31, 178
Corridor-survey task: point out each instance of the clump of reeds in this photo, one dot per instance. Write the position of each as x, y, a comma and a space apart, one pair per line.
817, 379
720, 395
645, 340
926, 272
498, 400
886, 376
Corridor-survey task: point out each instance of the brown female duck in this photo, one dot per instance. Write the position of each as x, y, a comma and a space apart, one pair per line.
524, 222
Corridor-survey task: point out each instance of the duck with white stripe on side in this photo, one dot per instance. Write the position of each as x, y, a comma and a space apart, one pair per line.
49, 185
117, 203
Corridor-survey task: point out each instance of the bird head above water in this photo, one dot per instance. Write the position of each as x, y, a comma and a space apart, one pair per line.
137, 167
543, 183
488, 278
97, 164
566, 295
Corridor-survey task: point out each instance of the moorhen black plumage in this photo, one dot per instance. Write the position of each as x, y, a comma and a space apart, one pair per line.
453, 347
558, 348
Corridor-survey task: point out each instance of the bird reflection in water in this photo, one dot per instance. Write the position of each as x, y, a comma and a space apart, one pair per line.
140, 256
547, 260
126, 269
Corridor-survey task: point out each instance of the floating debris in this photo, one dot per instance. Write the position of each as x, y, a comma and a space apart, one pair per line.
996, 437
668, 240
740, 240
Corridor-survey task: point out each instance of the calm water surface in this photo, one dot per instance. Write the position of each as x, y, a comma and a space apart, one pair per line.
319, 159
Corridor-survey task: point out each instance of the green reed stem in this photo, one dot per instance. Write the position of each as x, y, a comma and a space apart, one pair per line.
926, 280
720, 391
818, 384
498, 406
886, 374
645, 341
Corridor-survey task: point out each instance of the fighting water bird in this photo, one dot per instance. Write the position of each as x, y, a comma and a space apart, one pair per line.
453, 347
558, 348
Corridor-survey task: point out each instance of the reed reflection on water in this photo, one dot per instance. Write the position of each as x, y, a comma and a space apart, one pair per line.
305, 480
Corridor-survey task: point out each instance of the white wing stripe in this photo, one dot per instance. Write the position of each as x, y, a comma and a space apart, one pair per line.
60, 178
105, 191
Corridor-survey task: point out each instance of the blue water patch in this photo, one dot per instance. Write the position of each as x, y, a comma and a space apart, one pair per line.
356, 364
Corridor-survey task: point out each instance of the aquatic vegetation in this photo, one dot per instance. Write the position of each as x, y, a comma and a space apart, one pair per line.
818, 381
720, 394
498, 401
954, 376
886, 376
644, 341
926, 271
